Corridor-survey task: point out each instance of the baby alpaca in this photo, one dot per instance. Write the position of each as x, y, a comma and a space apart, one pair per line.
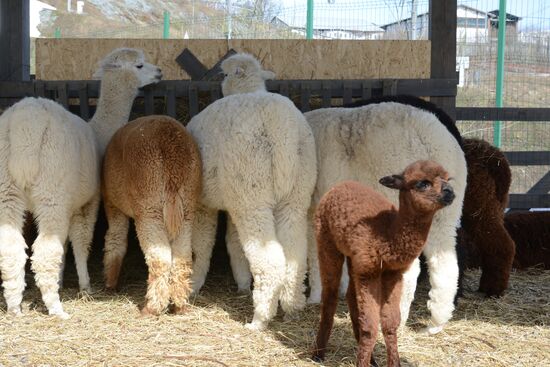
152, 173
380, 242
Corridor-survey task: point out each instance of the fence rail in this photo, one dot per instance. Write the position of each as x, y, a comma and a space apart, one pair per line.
306, 94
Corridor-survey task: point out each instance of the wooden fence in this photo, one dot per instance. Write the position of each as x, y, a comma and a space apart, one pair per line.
171, 96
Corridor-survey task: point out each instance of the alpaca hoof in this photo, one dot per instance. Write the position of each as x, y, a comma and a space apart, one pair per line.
491, 291
147, 311
15, 311
314, 299
243, 290
317, 358
373, 362
432, 330
255, 326
87, 288
62, 315
180, 310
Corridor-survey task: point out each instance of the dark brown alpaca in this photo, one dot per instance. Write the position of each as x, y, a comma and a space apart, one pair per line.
485, 200
380, 242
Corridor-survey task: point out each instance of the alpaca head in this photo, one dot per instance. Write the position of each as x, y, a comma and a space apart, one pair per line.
131, 63
243, 74
423, 186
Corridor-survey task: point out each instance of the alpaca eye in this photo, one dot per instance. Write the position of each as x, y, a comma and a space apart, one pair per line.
139, 66
423, 185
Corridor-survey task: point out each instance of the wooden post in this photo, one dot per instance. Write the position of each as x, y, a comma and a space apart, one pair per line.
14, 40
442, 33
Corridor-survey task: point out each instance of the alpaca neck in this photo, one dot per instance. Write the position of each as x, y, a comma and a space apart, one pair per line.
117, 93
410, 231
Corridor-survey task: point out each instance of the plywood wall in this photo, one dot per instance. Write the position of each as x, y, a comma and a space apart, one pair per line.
75, 59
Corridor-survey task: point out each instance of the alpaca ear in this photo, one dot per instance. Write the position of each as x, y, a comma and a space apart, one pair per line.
239, 71
393, 181
99, 72
268, 75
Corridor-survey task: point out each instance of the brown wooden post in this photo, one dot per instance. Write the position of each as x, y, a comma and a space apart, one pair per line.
442, 33
14, 40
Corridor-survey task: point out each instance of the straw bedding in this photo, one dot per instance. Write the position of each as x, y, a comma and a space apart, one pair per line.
107, 330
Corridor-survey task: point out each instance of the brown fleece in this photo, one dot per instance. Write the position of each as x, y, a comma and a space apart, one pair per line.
531, 233
485, 200
380, 242
152, 173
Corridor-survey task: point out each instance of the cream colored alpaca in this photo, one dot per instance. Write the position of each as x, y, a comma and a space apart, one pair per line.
259, 165
49, 165
152, 173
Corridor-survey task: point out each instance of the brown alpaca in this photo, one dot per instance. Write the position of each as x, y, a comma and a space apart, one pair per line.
152, 173
486, 198
380, 242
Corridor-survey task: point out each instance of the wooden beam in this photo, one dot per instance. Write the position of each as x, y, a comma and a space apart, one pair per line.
502, 114
14, 40
442, 33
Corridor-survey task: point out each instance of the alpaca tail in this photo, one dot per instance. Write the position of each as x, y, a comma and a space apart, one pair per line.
174, 213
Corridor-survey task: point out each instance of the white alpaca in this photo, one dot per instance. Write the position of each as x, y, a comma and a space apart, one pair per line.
259, 165
362, 144
50, 165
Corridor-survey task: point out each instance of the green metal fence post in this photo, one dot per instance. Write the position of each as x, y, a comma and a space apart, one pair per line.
309, 24
57, 33
166, 29
497, 136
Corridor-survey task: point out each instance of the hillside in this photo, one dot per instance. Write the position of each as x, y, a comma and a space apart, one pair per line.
144, 19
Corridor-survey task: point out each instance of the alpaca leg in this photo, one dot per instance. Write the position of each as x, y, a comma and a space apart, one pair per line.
267, 262
314, 278
182, 265
81, 233
116, 244
443, 270
239, 263
53, 227
204, 238
330, 268
63, 262
390, 315
497, 251
291, 225
12, 254
351, 297
158, 256
409, 287
369, 300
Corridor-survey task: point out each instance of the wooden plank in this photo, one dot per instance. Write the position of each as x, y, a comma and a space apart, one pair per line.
62, 97
189, 62
193, 100
171, 101
63, 59
326, 95
14, 40
84, 103
348, 93
283, 88
305, 95
149, 102
215, 93
442, 33
366, 90
542, 186
502, 114
389, 88
541, 158
528, 201
215, 71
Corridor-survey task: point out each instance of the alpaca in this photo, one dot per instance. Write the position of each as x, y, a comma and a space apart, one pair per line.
49, 164
380, 242
152, 173
486, 198
529, 231
259, 165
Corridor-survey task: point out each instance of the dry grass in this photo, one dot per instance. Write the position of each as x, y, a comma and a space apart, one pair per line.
107, 330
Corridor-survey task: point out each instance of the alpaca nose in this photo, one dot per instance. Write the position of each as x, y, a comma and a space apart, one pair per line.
447, 195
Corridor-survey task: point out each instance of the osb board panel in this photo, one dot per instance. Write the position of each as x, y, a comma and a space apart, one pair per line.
75, 59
